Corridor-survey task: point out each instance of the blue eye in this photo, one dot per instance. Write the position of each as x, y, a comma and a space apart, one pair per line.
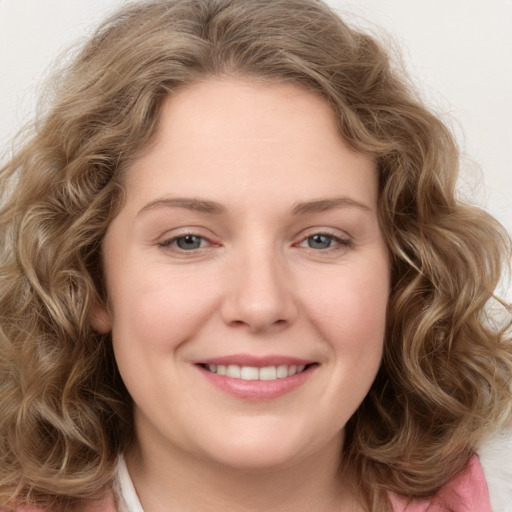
325, 242
189, 242
184, 243
320, 241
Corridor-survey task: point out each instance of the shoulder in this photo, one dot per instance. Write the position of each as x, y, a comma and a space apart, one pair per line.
465, 493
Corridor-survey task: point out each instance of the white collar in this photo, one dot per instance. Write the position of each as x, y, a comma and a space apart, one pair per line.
496, 458
128, 499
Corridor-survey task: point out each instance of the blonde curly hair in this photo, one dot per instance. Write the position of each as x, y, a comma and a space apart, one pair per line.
66, 416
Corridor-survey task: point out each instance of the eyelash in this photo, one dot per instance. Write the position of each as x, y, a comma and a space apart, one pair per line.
168, 244
336, 243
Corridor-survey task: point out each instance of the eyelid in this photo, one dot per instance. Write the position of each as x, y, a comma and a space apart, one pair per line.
322, 230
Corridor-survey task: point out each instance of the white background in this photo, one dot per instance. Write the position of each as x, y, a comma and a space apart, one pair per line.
459, 53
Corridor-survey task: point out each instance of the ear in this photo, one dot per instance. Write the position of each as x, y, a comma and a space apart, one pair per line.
100, 318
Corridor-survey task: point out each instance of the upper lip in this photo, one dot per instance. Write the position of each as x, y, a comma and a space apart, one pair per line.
255, 361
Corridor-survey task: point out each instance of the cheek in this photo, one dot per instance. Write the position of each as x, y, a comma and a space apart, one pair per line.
158, 310
351, 318
351, 308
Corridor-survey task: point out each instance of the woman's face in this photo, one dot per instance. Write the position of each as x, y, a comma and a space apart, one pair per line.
247, 278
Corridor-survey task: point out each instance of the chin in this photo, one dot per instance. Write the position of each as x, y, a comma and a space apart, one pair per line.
256, 458
259, 449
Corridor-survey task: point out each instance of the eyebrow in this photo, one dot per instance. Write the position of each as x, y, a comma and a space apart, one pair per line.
322, 205
206, 206
196, 205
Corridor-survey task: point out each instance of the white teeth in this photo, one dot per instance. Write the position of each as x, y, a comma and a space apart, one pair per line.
268, 373
234, 371
252, 373
249, 373
282, 371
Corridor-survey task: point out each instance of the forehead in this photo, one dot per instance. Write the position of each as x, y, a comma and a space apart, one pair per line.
249, 136
262, 103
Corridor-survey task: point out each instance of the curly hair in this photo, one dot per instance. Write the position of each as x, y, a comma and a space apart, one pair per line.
444, 381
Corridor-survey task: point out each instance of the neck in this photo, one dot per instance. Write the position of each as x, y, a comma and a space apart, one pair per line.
172, 480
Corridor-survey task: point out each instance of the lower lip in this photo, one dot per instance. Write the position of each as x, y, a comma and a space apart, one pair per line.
258, 390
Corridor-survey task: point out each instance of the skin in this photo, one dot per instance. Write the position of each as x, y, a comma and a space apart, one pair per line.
257, 282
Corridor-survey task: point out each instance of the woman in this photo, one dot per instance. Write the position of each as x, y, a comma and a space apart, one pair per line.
236, 276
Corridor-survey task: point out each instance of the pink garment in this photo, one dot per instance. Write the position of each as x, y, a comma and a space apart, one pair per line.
467, 492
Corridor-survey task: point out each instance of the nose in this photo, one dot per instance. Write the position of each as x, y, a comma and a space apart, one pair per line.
259, 293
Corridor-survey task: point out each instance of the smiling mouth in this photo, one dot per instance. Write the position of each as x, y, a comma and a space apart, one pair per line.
266, 373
